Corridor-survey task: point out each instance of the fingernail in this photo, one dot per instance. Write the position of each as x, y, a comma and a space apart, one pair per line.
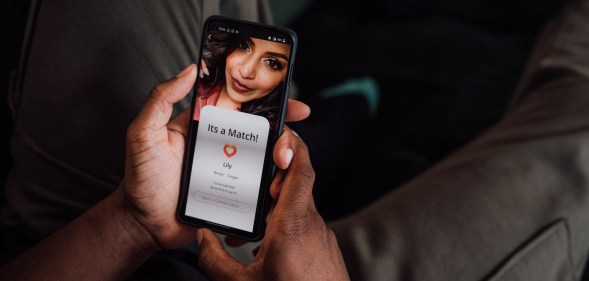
288, 153
185, 71
205, 70
199, 236
294, 133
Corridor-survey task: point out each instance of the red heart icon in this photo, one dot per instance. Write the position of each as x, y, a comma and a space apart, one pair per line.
230, 150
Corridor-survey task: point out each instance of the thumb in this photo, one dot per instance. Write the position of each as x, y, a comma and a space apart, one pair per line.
213, 260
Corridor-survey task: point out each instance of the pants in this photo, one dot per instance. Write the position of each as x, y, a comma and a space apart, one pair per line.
512, 204
86, 70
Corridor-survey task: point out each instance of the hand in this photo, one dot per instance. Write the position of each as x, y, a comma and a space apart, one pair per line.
155, 147
297, 245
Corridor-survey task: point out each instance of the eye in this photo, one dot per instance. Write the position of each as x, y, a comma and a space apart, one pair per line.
273, 63
244, 46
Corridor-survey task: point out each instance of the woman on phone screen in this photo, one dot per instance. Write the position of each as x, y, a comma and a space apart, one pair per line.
242, 73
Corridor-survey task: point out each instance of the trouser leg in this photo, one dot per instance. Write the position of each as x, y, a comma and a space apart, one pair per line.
86, 70
511, 205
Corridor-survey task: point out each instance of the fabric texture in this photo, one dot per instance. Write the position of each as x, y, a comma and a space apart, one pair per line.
87, 68
445, 70
510, 205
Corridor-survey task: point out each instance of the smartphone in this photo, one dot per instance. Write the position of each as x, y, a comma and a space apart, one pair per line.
238, 110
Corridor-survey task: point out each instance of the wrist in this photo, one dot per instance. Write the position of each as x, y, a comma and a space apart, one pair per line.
135, 237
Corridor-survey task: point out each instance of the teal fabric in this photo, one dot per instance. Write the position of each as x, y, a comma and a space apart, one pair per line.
365, 86
285, 11
511, 205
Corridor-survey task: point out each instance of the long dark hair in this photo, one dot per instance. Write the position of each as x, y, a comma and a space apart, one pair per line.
218, 45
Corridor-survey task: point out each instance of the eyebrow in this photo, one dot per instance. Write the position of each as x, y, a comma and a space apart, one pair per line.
279, 55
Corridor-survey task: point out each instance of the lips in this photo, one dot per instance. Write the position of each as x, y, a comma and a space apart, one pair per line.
238, 86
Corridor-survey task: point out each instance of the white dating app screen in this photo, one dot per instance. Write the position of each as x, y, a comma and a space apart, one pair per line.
227, 168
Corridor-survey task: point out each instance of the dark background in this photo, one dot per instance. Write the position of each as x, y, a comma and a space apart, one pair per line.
445, 69
13, 17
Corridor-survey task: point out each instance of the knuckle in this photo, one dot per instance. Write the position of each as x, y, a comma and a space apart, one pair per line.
319, 224
157, 94
299, 224
331, 235
157, 90
306, 173
135, 132
295, 225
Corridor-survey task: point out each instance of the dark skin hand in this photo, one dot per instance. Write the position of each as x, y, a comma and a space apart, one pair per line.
138, 218
297, 244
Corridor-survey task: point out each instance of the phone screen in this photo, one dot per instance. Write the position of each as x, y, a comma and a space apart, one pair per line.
237, 115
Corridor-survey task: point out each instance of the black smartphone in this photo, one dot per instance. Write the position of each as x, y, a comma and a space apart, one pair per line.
238, 110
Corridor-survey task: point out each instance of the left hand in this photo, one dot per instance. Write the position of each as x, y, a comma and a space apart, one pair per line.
154, 154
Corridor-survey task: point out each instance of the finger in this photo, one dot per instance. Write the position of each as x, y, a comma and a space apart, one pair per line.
234, 241
180, 122
297, 111
158, 108
178, 132
283, 149
277, 184
296, 192
213, 260
270, 211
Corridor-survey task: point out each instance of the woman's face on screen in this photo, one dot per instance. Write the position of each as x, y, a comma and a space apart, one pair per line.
255, 68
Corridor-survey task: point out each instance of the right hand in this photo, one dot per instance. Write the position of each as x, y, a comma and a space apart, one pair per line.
298, 245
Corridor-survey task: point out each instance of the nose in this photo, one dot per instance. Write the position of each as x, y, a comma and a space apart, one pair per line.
247, 69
